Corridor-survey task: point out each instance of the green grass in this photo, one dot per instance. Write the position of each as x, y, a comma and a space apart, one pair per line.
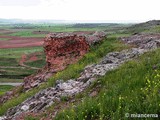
15, 73
17, 52
4, 39
39, 63
30, 118
27, 33
133, 88
4, 88
155, 29
118, 35
72, 71
7, 80
8, 61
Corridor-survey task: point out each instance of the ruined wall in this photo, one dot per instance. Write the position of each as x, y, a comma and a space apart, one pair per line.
66, 48
61, 50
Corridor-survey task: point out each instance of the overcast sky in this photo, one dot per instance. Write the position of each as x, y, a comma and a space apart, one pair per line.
85, 10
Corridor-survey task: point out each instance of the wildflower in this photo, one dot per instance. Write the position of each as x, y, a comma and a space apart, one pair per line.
99, 104
67, 116
148, 80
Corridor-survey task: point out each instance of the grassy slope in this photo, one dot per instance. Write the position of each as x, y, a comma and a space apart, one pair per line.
133, 88
147, 27
110, 44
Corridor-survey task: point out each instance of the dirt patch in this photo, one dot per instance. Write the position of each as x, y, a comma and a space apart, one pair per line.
23, 59
30, 57
33, 58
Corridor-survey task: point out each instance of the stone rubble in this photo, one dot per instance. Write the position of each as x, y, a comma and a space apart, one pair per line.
111, 61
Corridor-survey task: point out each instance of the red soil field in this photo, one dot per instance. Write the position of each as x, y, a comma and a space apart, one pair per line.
18, 42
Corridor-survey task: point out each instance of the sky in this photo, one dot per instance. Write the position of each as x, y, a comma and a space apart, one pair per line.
81, 10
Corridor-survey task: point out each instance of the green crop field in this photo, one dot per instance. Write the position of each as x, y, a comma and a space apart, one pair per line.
4, 39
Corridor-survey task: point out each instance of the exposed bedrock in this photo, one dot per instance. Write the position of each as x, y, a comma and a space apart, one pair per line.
61, 50
143, 41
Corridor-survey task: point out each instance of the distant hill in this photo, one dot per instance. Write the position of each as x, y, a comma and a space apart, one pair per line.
93, 25
148, 24
141, 27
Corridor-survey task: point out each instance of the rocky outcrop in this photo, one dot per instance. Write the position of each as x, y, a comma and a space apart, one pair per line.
49, 96
143, 41
61, 50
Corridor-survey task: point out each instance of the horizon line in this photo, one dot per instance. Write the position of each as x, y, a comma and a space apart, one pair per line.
76, 21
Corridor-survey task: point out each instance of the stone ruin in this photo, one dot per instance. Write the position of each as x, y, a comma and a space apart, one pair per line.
62, 49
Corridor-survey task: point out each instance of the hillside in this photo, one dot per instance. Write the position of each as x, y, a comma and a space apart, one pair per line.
112, 75
150, 26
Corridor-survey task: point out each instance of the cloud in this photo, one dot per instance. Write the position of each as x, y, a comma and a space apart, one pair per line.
52, 2
19, 2
84, 10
